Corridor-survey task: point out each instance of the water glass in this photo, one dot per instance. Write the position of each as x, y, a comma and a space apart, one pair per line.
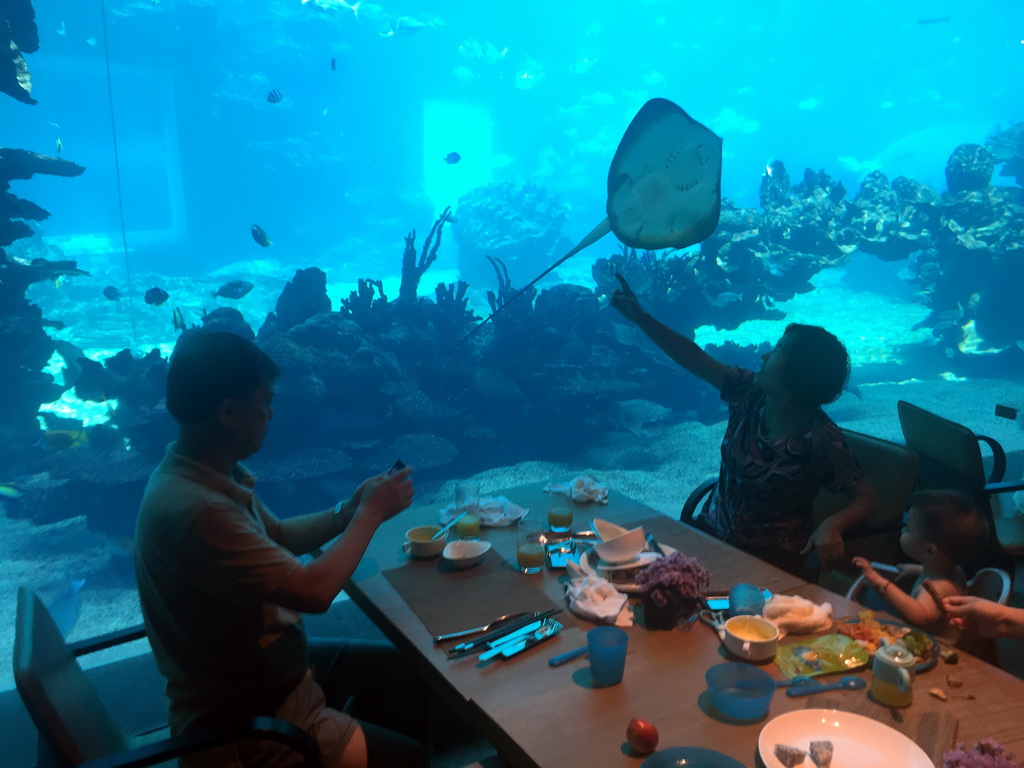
559, 511
530, 543
607, 648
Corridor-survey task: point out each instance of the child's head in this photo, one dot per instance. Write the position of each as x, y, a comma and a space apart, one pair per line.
947, 522
815, 364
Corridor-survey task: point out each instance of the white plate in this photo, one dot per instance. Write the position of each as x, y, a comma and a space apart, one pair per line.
858, 742
592, 564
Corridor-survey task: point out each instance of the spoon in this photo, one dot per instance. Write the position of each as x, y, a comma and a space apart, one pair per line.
485, 628
452, 522
846, 683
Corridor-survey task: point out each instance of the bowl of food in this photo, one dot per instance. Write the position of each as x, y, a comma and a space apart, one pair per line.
740, 691
623, 548
752, 638
465, 553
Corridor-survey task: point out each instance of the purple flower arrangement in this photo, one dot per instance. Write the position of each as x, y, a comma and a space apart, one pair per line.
987, 753
674, 576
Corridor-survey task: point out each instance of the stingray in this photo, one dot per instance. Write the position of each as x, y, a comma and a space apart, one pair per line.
664, 187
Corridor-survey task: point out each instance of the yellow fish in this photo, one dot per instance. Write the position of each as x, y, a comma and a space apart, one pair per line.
64, 439
10, 491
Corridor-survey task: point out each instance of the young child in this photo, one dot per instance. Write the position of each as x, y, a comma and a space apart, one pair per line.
944, 529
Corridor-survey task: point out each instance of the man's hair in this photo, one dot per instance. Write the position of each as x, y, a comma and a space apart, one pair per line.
951, 521
816, 364
208, 367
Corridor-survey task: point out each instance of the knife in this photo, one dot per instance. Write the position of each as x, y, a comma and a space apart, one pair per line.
508, 629
548, 628
655, 547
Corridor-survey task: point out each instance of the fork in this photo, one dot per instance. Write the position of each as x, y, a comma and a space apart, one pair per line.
485, 628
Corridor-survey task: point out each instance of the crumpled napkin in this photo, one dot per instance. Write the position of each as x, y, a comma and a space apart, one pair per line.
798, 615
583, 489
493, 513
596, 599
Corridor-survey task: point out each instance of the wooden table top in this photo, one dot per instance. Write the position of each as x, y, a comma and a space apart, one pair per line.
536, 715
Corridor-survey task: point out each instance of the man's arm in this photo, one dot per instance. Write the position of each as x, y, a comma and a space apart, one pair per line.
682, 350
313, 586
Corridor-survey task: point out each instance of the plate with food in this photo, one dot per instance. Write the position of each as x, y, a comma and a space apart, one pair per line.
622, 576
870, 632
830, 738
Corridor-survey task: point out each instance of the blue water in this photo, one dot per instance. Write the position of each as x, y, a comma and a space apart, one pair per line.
351, 160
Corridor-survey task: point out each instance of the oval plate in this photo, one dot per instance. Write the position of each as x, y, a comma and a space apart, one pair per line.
691, 757
858, 742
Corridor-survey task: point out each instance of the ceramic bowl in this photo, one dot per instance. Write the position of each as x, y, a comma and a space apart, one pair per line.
623, 548
465, 554
606, 531
752, 638
419, 544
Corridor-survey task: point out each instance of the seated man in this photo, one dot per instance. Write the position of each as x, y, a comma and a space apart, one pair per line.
779, 446
222, 588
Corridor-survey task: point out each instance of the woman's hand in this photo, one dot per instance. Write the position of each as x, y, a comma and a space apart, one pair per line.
983, 616
828, 540
625, 300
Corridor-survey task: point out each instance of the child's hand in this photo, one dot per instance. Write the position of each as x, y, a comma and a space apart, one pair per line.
865, 565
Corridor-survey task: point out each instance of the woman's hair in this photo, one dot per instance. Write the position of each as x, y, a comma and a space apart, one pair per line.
208, 367
816, 364
951, 521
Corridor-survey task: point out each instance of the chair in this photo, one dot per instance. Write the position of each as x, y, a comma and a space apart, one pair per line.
891, 470
74, 726
988, 583
951, 457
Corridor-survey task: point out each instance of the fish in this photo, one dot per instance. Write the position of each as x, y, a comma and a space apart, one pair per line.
236, 289
259, 234
452, 158
275, 96
67, 606
62, 439
665, 150
725, 298
59, 281
60, 145
403, 25
112, 293
334, 64
156, 296
10, 491
177, 320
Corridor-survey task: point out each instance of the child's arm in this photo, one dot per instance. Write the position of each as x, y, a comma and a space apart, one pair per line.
920, 611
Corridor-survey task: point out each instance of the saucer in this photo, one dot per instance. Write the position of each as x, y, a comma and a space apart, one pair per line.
590, 563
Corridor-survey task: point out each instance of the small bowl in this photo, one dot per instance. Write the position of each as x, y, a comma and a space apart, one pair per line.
752, 638
623, 548
740, 691
420, 544
465, 553
606, 531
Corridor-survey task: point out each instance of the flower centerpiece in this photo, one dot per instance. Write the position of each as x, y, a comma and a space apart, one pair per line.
987, 753
674, 584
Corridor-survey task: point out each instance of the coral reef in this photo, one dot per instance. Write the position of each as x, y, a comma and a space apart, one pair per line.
1007, 148
18, 35
413, 269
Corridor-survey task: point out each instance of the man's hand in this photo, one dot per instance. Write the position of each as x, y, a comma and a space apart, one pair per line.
828, 540
625, 300
384, 497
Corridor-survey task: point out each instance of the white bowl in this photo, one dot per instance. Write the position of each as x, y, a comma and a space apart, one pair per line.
606, 531
465, 554
751, 637
622, 548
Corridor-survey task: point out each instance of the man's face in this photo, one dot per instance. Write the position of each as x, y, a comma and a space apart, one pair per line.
251, 420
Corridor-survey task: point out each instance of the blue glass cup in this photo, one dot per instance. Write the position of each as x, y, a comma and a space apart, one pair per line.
745, 600
607, 648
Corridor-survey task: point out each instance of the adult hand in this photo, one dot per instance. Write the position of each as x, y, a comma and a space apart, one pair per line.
625, 300
828, 540
983, 616
385, 496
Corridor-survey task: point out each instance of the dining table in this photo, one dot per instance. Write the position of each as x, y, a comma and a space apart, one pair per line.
537, 715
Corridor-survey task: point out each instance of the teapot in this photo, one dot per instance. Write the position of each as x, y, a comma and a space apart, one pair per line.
893, 675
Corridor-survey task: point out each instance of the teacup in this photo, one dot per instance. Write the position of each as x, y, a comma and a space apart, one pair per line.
751, 637
418, 541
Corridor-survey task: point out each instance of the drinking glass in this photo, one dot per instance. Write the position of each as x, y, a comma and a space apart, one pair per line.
530, 545
607, 647
467, 499
559, 512
745, 600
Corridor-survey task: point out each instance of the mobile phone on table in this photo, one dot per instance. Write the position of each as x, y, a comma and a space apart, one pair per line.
719, 601
398, 466
558, 556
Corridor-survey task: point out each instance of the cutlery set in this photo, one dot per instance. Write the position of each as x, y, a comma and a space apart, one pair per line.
517, 633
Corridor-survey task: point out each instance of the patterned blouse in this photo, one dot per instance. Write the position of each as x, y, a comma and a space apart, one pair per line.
766, 487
